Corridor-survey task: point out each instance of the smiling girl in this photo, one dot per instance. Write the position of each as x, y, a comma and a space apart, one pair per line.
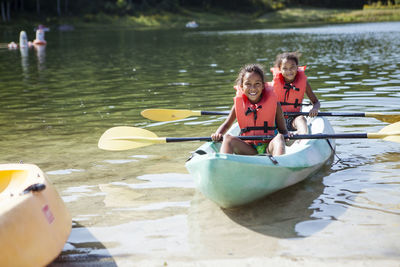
290, 84
257, 112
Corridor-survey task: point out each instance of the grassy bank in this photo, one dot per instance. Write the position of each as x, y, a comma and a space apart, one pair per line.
372, 15
319, 15
218, 18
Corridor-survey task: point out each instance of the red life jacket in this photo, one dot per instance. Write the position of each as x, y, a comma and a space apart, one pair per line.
259, 118
290, 95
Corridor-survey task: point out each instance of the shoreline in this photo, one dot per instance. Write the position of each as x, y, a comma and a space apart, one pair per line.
295, 16
269, 261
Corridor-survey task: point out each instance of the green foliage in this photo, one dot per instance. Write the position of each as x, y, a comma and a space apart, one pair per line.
143, 10
169, 5
380, 5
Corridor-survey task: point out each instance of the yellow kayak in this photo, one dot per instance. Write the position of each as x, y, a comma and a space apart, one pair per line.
34, 222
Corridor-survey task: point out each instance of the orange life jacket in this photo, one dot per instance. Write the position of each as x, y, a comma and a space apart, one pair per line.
290, 95
259, 118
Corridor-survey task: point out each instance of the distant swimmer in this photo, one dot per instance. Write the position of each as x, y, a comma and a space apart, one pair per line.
39, 37
23, 42
43, 28
192, 24
12, 45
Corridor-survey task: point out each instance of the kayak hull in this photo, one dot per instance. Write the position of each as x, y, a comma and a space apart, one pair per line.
232, 180
34, 221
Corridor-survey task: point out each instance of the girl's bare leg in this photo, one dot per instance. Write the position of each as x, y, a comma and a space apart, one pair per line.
232, 144
277, 145
300, 123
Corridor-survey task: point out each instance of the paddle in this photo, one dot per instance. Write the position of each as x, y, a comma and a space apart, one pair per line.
124, 137
178, 114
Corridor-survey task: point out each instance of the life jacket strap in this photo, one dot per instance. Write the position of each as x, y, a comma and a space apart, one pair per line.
252, 110
295, 104
288, 87
264, 128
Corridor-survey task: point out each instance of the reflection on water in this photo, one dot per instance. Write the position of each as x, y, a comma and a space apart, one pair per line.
61, 172
24, 50
280, 214
73, 194
142, 204
138, 236
359, 187
161, 181
98, 245
41, 56
40, 51
141, 224
160, 206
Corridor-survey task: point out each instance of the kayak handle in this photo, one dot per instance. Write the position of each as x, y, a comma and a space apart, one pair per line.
34, 188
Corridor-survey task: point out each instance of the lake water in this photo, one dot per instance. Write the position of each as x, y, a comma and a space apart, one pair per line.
140, 206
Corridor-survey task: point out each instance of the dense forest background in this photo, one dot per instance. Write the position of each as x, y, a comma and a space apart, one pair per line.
15, 8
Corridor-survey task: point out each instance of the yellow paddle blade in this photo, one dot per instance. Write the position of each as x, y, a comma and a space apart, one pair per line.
168, 114
124, 138
388, 133
389, 118
392, 131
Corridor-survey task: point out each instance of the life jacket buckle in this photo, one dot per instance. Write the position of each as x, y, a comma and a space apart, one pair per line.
252, 110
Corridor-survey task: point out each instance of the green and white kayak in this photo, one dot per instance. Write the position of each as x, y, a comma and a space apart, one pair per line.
232, 180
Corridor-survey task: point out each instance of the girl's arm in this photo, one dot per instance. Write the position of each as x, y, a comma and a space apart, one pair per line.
217, 136
313, 98
280, 120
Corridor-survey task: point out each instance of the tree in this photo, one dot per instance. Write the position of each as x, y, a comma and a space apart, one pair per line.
66, 7
8, 11
3, 12
58, 8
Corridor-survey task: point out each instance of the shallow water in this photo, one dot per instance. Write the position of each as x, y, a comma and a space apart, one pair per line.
139, 205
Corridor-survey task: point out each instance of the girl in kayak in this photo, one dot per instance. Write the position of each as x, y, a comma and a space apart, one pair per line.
258, 113
290, 84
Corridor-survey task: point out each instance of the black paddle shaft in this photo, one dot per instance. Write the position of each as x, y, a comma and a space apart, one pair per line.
332, 114
327, 114
268, 137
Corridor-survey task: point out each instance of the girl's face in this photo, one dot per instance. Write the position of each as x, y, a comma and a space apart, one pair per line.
288, 70
252, 86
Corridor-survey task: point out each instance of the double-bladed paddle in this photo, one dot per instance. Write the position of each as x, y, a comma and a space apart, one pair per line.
124, 137
178, 114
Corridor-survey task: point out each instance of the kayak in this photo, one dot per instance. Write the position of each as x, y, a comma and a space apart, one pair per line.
232, 180
34, 221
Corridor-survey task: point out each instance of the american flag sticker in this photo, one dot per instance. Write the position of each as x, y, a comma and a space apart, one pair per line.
48, 214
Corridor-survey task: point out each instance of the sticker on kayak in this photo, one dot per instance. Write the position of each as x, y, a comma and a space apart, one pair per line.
48, 214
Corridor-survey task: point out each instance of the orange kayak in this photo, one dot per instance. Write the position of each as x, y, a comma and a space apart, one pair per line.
34, 221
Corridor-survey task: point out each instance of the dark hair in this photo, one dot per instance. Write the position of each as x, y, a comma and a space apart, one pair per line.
249, 68
287, 56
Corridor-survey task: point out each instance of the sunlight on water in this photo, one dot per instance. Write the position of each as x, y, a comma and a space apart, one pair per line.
369, 28
161, 181
73, 194
159, 206
61, 172
167, 235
